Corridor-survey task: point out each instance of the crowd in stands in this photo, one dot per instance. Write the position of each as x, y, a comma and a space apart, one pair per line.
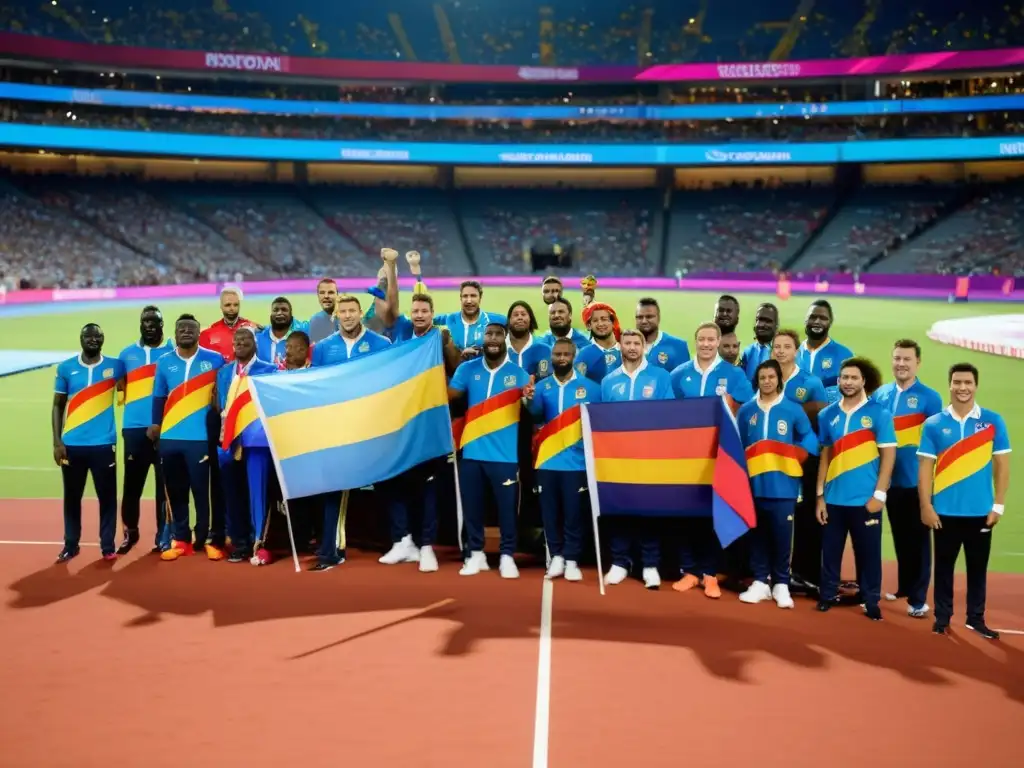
525, 32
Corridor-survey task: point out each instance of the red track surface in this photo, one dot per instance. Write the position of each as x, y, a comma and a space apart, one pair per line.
371, 665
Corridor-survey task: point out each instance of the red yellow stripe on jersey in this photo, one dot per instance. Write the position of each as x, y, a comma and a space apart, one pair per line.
492, 415
89, 403
850, 452
775, 456
908, 429
561, 433
188, 398
963, 459
139, 383
241, 413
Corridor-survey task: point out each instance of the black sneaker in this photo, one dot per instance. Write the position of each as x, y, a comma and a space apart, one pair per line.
131, 538
825, 605
320, 567
938, 628
981, 629
66, 554
237, 556
873, 612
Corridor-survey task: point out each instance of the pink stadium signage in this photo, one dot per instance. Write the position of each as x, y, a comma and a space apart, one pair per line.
13, 45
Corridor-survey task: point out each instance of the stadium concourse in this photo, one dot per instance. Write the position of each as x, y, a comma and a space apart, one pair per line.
403, 667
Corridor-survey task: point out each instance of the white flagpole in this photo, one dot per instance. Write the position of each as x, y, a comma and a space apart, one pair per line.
595, 505
291, 535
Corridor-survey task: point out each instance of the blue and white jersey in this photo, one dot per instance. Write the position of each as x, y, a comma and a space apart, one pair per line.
339, 349
824, 362
667, 351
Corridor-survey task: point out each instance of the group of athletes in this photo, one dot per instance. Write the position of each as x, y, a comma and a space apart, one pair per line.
828, 444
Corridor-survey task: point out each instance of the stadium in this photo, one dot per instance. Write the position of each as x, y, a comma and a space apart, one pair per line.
867, 153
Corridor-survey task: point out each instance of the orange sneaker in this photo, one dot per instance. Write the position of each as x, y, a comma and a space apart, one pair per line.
178, 549
214, 553
711, 588
685, 584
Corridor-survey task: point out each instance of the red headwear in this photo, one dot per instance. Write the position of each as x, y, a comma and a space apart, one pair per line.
589, 310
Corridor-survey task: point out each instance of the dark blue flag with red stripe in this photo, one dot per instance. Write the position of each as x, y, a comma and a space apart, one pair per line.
669, 458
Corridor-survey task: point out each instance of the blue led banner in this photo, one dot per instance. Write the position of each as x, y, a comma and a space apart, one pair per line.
314, 150
198, 103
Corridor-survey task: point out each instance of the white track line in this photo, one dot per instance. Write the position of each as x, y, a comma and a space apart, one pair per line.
1010, 631
45, 543
542, 716
54, 468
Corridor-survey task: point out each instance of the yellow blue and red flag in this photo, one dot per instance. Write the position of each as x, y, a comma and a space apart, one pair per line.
669, 458
349, 426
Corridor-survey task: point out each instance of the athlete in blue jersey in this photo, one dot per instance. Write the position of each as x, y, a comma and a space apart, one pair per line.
468, 325
182, 400
910, 402
603, 355
246, 478
353, 340
494, 387
963, 478
324, 323
819, 355
635, 379
551, 289
776, 433
139, 361
858, 452
85, 438
524, 349
270, 342
766, 324
662, 349
559, 460
560, 325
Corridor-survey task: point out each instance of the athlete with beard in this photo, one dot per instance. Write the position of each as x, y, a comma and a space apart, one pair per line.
494, 387
766, 324
551, 289
602, 356
352, 340
559, 461
662, 349
469, 325
858, 452
220, 337
523, 349
635, 379
323, 324
560, 325
819, 355
729, 349
727, 313
910, 402
271, 341
139, 361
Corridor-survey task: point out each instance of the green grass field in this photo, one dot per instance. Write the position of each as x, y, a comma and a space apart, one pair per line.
869, 326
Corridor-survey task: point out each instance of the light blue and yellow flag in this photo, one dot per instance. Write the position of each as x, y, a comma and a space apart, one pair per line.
352, 425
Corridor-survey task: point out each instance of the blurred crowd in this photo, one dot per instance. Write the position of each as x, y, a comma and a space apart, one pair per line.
523, 32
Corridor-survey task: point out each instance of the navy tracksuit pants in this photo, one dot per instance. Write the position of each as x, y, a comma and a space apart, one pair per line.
412, 502
100, 461
975, 538
771, 541
561, 508
913, 542
502, 478
329, 552
625, 531
700, 552
866, 531
139, 455
186, 465
244, 484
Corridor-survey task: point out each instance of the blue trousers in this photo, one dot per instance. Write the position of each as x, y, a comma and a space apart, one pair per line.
624, 532
913, 543
561, 505
218, 508
866, 531
771, 541
100, 461
413, 494
329, 551
186, 465
139, 455
700, 552
475, 477
258, 469
233, 492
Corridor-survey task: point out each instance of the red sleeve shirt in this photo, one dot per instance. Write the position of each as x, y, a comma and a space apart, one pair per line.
220, 337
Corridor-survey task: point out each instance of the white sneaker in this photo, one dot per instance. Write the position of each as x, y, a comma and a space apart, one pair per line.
557, 568
428, 560
757, 592
475, 563
782, 597
652, 579
572, 571
890, 597
403, 551
507, 567
918, 613
616, 575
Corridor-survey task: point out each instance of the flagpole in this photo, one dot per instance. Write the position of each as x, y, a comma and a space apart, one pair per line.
291, 535
595, 505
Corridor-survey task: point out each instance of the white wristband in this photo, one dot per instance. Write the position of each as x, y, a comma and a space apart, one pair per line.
880, 496
998, 509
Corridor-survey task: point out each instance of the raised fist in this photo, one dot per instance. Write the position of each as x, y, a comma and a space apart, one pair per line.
389, 255
413, 258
